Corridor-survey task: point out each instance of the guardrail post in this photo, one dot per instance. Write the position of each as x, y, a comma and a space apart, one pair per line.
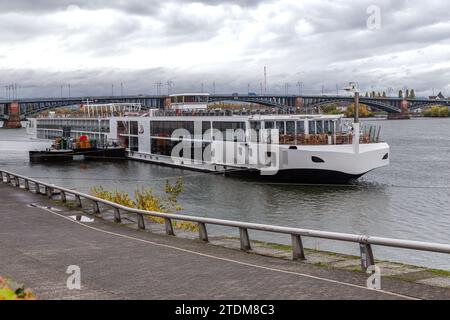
95, 207
26, 184
117, 217
63, 196
16, 182
298, 253
141, 223
8, 178
366, 256
169, 227
202, 233
78, 200
245, 240
37, 188
49, 192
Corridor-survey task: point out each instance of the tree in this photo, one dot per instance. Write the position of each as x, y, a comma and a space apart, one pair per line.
412, 94
407, 93
363, 111
400, 93
367, 94
384, 94
373, 94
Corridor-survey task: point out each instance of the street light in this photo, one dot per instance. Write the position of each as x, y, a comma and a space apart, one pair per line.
353, 87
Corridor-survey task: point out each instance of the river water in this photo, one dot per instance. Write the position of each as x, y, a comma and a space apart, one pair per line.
410, 199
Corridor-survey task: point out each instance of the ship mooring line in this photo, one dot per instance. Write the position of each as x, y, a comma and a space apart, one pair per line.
227, 259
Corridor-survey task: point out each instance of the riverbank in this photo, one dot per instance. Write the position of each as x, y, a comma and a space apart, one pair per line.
323, 259
41, 238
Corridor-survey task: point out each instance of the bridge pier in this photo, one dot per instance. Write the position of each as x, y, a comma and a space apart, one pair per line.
13, 120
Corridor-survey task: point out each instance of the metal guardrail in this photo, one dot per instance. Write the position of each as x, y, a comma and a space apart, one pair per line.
298, 252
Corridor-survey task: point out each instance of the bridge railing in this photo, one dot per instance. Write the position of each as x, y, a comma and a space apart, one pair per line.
298, 253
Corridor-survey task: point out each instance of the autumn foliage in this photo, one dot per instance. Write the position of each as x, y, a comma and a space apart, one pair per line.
146, 199
9, 290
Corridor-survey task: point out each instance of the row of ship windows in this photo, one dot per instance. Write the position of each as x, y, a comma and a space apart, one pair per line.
166, 128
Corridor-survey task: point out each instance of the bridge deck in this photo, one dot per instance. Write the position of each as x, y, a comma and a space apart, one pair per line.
37, 245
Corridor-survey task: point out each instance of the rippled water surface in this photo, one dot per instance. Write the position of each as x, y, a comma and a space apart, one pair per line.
410, 199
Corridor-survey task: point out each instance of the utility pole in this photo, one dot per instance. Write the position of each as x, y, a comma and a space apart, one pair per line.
286, 88
69, 90
214, 88
337, 90
169, 84
248, 88
300, 87
112, 90
62, 91
261, 86
202, 87
265, 80
121, 89
323, 88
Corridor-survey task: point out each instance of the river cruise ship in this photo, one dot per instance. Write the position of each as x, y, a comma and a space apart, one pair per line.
285, 147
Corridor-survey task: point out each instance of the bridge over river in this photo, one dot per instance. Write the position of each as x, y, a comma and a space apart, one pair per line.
12, 111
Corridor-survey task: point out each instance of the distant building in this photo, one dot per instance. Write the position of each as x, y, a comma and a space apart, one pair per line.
440, 96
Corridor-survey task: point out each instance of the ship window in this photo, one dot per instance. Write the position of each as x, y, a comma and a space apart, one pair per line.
255, 126
232, 131
386, 156
162, 146
166, 128
134, 144
206, 125
319, 127
280, 126
189, 99
122, 127
290, 127
326, 126
300, 127
268, 125
134, 128
317, 159
312, 127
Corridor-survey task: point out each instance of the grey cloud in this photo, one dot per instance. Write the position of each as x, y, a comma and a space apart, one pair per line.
338, 49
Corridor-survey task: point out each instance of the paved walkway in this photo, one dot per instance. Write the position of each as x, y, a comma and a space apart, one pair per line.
37, 245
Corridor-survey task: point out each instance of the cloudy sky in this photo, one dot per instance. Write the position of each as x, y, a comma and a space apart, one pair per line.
92, 44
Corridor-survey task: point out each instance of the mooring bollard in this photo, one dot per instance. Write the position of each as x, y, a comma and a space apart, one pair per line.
298, 253
202, 232
245, 240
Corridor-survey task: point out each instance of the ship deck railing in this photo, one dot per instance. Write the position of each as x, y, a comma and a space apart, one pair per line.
325, 139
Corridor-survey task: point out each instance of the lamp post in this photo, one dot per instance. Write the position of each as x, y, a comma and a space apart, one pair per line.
352, 87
